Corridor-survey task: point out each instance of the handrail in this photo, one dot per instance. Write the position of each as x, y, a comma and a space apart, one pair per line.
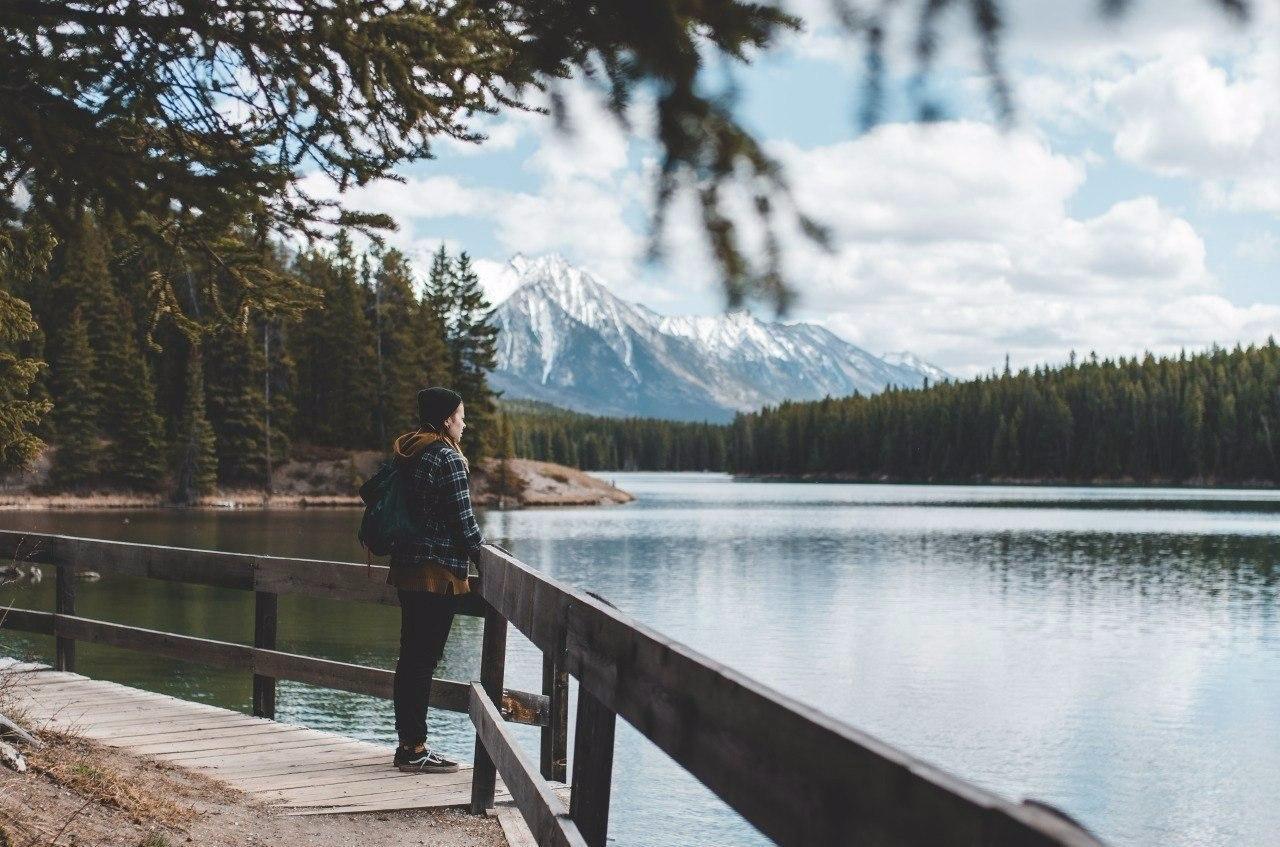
267, 577
797, 775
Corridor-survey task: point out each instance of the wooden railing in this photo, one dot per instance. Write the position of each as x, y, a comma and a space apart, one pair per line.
267, 577
797, 775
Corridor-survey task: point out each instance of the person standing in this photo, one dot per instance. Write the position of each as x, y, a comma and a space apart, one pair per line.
430, 571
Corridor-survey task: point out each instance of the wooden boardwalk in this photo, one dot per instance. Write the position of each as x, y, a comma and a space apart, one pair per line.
303, 771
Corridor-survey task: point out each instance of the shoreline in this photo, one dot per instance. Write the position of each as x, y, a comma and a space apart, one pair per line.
539, 484
1250, 485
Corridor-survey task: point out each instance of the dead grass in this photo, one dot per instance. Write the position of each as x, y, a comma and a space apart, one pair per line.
72, 763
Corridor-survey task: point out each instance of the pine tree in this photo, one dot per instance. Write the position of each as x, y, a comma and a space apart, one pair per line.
135, 455
20, 413
280, 387
337, 367
234, 379
76, 406
473, 343
439, 293
404, 360
197, 459
507, 483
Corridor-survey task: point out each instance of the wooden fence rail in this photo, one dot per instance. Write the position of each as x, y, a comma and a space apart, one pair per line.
267, 577
797, 775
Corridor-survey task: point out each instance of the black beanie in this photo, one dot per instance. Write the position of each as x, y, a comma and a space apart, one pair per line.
436, 404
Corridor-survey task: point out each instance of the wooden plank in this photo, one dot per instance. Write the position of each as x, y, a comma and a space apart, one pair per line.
97, 714
170, 645
104, 712
332, 580
592, 768
9, 664
409, 786
514, 829
140, 732
44, 677
64, 691
64, 603
327, 762
349, 778
343, 676
26, 620
198, 739
797, 775
493, 660
542, 810
553, 748
72, 693
440, 802
334, 750
254, 743
264, 636
205, 567
320, 774
264, 751
444, 800
157, 716
422, 795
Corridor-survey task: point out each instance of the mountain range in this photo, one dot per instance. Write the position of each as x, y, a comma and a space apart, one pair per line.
566, 339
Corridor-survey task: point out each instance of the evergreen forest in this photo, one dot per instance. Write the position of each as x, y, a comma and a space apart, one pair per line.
550, 434
141, 398
1211, 418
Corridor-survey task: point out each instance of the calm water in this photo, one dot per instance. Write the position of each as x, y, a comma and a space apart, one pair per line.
1115, 652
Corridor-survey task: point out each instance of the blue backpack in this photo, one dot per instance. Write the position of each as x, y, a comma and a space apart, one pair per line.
387, 520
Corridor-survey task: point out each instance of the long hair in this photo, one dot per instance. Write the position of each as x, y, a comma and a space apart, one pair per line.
415, 441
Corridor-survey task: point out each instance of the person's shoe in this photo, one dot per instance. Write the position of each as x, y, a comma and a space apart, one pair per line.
423, 761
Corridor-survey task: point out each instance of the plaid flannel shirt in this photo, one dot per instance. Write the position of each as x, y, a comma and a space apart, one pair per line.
440, 498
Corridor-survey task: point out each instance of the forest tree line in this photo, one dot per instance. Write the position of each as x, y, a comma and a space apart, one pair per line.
1210, 418
143, 400
550, 434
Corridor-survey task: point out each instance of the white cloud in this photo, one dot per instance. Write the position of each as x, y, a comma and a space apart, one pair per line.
1187, 117
956, 242
1261, 247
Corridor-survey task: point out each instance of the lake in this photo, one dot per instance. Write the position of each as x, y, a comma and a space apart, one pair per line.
1112, 651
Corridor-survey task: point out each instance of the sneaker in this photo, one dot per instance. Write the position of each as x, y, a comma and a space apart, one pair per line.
423, 761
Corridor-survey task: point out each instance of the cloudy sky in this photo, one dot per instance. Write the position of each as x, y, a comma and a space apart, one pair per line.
1133, 204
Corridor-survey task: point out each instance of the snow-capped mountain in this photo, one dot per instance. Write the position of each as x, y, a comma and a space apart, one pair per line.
906, 359
566, 339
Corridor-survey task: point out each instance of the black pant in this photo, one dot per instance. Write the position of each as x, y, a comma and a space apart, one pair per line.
425, 619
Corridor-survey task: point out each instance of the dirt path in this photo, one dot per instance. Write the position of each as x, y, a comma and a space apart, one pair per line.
81, 793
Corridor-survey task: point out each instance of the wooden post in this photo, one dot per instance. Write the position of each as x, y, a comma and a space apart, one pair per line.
64, 603
555, 735
264, 635
493, 661
592, 768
